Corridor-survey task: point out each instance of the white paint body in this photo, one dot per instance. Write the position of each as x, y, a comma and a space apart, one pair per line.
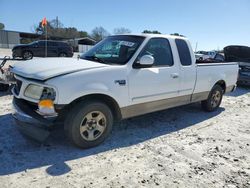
72, 78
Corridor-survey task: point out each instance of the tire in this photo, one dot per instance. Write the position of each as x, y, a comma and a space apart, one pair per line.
82, 126
214, 99
62, 54
27, 55
4, 87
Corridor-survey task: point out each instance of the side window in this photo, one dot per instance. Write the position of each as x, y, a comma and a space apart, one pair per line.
160, 49
184, 52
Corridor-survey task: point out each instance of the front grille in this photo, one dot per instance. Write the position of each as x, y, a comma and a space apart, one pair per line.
18, 86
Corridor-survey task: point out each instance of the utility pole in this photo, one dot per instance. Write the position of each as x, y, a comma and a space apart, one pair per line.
196, 45
46, 38
57, 23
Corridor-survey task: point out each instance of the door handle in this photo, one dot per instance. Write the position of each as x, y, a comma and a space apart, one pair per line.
174, 75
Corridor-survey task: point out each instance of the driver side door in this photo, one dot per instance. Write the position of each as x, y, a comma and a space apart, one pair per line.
149, 86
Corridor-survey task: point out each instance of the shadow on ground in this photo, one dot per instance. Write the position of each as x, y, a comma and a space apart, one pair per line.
240, 90
18, 154
4, 93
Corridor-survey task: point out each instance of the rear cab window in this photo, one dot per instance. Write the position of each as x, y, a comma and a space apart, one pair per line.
184, 52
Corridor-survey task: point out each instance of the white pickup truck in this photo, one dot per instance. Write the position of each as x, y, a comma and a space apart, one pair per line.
121, 77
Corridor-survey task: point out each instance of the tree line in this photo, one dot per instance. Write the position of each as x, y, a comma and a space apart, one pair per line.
56, 28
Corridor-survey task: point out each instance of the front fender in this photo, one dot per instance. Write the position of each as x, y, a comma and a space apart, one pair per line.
93, 88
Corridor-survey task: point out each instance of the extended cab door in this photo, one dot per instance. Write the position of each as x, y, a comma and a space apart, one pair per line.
161, 81
187, 68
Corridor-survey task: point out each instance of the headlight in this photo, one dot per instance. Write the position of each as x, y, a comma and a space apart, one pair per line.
39, 92
34, 91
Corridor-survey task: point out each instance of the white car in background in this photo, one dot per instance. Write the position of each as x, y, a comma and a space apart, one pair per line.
202, 55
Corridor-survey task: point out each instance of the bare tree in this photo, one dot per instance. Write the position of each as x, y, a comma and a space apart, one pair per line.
99, 33
55, 28
1, 26
177, 34
151, 32
121, 30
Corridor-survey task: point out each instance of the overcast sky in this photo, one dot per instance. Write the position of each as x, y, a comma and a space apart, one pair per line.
212, 23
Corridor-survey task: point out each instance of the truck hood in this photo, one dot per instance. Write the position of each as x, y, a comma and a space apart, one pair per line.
46, 68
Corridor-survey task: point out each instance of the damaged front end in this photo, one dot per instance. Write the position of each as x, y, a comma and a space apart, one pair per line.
33, 108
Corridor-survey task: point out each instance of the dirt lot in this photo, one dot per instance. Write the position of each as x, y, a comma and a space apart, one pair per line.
180, 147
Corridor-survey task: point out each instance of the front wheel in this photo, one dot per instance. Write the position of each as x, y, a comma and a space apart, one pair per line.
62, 54
88, 124
214, 99
27, 55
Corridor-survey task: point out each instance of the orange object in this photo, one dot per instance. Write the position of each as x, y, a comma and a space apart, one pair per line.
44, 22
47, 103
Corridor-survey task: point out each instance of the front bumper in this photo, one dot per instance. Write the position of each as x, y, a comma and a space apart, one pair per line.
16, 53
29, 122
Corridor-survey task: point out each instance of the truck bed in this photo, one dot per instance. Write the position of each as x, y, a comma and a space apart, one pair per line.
209, 73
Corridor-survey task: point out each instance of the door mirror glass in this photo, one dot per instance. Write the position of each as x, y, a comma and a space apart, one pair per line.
145, 61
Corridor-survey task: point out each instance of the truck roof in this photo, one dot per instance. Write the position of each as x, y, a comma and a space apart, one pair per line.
147, 35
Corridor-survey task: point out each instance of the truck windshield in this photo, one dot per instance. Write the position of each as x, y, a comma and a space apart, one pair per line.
114, 49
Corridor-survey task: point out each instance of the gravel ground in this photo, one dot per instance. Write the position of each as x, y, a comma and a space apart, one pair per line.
180, 147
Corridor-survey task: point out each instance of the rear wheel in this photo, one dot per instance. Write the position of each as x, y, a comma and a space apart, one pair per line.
88, 124
62, 54
27, 55
214, 99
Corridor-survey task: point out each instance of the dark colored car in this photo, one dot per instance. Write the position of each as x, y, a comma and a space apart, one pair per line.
240, 54
42, 48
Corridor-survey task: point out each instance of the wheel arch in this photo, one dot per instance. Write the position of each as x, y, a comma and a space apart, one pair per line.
222, 84
62, 52
27, 50
109, 101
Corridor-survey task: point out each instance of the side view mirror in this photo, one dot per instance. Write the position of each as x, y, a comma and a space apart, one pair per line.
144, 62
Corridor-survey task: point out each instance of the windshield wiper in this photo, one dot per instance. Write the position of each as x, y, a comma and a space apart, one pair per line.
97, 59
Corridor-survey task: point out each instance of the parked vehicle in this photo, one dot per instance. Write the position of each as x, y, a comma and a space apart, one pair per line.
203, 55
42, 48
218, 58
6, 77
240, 54
121, 77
